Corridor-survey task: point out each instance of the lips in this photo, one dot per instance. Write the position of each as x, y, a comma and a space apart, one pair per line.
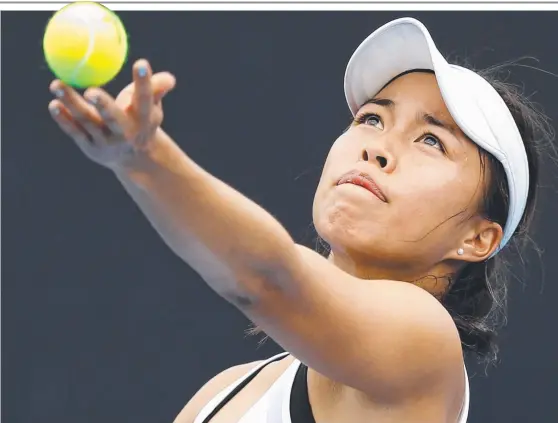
363, 179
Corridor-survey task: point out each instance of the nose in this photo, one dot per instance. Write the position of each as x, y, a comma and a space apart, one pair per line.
378, 156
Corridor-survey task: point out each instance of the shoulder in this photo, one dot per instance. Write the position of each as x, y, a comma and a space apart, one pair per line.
393, 340
212, 388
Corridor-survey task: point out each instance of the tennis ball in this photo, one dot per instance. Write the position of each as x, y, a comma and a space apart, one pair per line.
85, 44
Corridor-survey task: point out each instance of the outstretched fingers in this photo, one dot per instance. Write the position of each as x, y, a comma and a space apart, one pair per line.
96, 120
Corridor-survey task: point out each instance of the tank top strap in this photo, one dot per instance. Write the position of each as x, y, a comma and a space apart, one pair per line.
465, 408
219, 400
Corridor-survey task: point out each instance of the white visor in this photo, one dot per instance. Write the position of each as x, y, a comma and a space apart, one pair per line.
404, 45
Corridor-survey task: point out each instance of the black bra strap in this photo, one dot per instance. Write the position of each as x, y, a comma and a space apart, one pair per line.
238, 388
300, 409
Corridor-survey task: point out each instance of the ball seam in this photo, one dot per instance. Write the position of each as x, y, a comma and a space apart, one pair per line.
88, 52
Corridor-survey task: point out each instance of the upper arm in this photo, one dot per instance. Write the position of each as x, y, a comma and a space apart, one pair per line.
388, 339
210, 389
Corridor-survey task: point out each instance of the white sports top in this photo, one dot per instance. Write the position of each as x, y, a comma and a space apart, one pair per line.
286, 401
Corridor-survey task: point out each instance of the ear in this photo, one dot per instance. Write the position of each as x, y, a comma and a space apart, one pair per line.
480, 242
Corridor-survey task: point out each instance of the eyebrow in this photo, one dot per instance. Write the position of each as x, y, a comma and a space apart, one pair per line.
380, 102
424, 117
434, 121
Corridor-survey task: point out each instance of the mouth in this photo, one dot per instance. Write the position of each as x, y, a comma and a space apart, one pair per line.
364, 180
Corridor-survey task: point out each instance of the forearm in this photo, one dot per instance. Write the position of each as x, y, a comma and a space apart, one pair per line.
234, 244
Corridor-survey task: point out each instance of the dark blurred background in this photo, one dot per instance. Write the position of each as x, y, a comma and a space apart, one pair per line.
102, 323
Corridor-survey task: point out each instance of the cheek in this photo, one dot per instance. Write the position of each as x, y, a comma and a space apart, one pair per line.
434, 195
343, 153
428, 185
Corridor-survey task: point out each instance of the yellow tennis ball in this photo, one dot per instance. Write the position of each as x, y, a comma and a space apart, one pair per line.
85, 44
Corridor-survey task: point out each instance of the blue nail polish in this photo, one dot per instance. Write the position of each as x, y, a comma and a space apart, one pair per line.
55, 111
59, 93
142, 71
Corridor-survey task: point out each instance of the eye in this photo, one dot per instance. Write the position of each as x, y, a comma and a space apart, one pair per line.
432, 141
370, 119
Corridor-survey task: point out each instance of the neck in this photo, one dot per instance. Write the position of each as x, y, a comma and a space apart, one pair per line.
434, 279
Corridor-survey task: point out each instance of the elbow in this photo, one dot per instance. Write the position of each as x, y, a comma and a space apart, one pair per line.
261, 285
253, 293
254, 280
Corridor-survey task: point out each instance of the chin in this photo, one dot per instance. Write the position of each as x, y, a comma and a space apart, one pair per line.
346, 237
349, 228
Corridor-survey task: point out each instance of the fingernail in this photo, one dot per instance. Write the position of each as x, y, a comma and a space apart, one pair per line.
58, 93
142, 71
55, 111
93, 99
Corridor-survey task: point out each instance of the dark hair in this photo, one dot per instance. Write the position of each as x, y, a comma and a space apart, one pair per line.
477, 297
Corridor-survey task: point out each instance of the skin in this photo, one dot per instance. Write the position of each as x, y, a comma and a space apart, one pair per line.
396, 355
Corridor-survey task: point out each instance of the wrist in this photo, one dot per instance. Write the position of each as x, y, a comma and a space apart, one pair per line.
158, 153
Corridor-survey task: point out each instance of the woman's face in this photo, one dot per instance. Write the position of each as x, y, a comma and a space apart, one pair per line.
428, 172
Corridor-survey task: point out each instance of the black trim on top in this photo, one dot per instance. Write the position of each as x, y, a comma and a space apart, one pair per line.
301, 411
237, 389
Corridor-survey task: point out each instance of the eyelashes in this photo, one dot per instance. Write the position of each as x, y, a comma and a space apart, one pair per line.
426, 137
362, 118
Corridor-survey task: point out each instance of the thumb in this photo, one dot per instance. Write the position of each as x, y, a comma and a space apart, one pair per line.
162, 85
